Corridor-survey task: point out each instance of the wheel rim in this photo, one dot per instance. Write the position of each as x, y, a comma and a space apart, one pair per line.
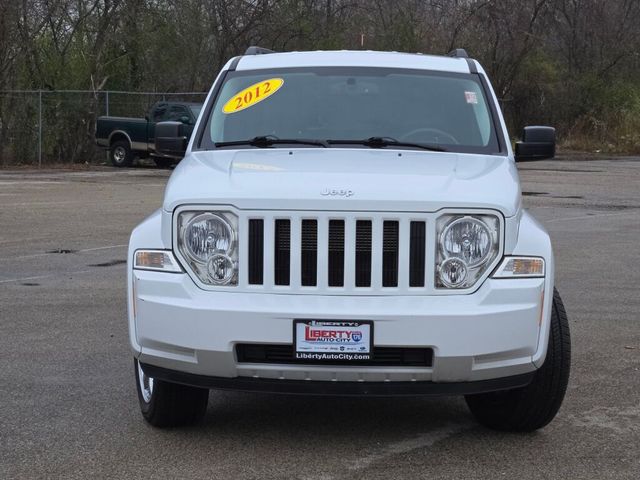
146, 384
119, 154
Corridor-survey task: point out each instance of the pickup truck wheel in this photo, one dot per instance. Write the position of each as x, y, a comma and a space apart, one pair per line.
532, 407
121, 154
165, 404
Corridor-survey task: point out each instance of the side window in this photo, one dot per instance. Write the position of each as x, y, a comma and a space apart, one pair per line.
160, 113
177, 112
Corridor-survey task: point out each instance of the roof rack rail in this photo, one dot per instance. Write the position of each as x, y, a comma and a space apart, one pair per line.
458, 53
257, 51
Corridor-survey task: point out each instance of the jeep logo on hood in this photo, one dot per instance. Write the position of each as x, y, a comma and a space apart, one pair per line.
337, 192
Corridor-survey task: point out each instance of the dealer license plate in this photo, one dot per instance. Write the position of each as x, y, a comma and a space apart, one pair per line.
320, 340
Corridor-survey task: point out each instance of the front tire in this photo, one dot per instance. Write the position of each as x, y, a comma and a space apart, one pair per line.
165, 404
532, 407
120, 154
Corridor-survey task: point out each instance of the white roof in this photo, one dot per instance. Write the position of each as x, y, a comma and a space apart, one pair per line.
351, 58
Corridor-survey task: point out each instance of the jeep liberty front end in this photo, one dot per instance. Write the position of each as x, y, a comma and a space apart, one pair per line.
348, 223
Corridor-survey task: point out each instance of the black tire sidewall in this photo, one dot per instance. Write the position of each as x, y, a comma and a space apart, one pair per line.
147, 408
171, 404
534, 406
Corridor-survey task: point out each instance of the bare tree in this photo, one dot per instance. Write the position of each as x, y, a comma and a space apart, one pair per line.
571, 62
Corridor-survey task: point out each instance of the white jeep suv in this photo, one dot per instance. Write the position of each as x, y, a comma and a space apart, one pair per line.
348, 223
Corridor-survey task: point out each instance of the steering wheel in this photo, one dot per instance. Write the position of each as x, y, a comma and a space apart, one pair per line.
436, 133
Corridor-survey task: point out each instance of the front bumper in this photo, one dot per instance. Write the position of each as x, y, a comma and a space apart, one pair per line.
491, 334
372, 389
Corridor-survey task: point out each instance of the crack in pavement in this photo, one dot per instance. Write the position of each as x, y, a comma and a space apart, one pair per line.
403, 446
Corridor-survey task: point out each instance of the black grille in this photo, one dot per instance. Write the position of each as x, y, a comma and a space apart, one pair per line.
309, 253
256, 252
306, 244
382, 356
336, 253
417, 254
390, 254
282, 252
363, 253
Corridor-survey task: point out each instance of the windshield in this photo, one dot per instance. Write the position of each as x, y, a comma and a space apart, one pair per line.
446, 110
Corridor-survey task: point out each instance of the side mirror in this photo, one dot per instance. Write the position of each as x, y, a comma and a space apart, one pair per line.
171, 140
185, 119
146, 117
538, 143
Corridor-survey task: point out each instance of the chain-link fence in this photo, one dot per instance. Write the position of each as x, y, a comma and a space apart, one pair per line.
41, 127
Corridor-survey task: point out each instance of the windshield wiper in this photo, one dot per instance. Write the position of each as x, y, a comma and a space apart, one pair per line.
269, 140
263, 141
380, 142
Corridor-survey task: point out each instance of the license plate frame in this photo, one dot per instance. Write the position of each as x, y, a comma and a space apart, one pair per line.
318, 344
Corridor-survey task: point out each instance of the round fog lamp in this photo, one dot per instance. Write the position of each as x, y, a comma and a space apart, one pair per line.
220, 269
453, 272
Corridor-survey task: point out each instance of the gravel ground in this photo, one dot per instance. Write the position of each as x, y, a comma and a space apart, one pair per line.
68, 405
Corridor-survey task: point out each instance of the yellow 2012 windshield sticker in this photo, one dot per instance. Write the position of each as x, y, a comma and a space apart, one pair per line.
252, 95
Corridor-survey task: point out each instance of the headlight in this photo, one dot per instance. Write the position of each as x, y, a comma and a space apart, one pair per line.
468, 239
467, 245
207, 241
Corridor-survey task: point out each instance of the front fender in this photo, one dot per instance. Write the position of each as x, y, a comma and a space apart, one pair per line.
146, 235
533, 240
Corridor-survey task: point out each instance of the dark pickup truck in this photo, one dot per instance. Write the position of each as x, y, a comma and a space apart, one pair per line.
127, 138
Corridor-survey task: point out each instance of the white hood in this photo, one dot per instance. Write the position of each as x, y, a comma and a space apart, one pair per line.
378, 180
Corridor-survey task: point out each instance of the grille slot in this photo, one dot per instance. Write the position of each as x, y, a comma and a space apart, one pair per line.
417, 254
363, 253
309, 253
256, 252
336, 253
382, 356
390, 253
282, 252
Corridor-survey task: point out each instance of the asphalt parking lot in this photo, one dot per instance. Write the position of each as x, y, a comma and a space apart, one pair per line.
68, 405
